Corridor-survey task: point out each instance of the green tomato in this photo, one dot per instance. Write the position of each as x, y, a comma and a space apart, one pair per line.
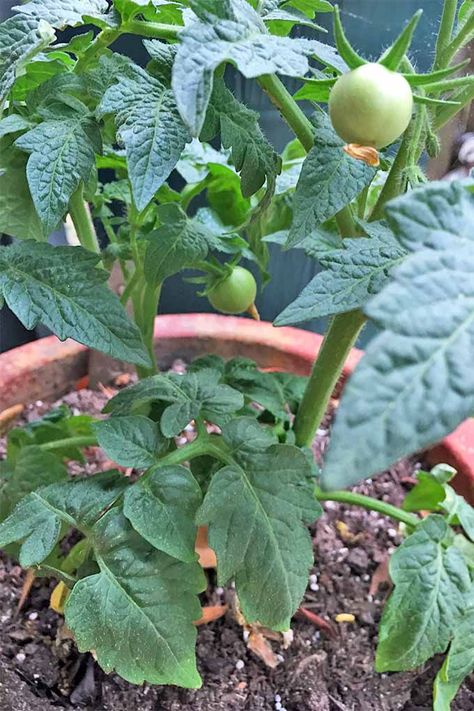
370, 105
235, 293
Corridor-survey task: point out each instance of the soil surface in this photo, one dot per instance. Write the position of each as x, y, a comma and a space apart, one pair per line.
322, 670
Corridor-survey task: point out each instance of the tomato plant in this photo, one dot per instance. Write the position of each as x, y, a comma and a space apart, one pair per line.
393, 249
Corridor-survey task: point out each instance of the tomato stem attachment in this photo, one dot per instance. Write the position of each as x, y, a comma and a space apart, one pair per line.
369, 503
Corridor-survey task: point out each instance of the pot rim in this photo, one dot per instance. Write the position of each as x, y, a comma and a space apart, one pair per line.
47, 368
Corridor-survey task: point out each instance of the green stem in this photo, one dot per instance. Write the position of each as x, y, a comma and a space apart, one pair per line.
339, 339
103, 40
445, 32
130, 287
345, 222
80, 441
394, 184
81, 217
289, 109
367, 502
448, 112
457, 43
146, 323
156, 30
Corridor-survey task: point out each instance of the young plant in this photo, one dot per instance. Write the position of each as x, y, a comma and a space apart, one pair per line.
393, 249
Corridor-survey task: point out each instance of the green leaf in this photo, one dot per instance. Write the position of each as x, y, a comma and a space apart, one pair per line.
459, 662
18, 216
331, 174
428, 600
243, 375
133, 441
252, 154
187, 397
394, 55
61, 13
32, 469
21, 37
62, 288
426, 495
137, 613
350, 278
256, 508
14, 123
178, 243
162, 507
232, 31
414, 384
40, 70
62, 154
37, 520
150, 127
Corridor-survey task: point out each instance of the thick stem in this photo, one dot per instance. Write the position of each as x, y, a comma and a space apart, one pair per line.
340, 338
146, 324
445, 32
82, 220
289, 109
103, 40
367, 502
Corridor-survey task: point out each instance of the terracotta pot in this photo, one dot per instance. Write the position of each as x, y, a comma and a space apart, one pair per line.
46, 369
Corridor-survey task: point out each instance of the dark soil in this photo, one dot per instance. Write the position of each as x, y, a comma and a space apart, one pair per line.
40, 669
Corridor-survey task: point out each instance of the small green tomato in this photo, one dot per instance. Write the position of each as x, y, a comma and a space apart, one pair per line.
370, 105
235, 294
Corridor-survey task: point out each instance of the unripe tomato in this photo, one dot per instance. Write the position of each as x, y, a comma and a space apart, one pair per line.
235, 293
370, 105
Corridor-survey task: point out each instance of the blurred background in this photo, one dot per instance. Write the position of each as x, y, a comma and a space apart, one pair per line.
370, 26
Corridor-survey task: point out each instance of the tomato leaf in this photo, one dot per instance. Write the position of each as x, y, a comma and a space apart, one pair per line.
331, 174
137, 613
62, 288
18, 216
350, 277
256, 508
179, 242
232, 31
252, 154
133, 441
162, 507
459, 662
21, 37
62, 153
185, 396
37, 519
61, 13
31, 469
414, 384
428, 600
150, 127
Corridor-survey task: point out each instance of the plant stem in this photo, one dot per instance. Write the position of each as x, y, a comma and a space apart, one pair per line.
395, 179
448, 112
157, 30
445, 32
345, 222
457, 42
103, 40
130, 286
367, 502
81, 217
339, 339
289, 109
146, 324
80, 441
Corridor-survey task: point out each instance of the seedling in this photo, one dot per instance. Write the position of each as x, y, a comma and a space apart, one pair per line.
393, 249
